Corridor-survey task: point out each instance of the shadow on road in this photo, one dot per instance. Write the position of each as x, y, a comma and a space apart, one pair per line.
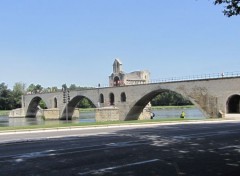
185, 149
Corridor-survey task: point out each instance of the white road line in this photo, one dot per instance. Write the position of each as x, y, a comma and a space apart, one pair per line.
118, 167
35, 138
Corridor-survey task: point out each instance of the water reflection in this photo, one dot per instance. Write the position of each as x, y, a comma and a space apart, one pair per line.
191, 113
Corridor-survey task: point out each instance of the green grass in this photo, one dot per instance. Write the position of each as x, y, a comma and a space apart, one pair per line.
4, 112
86, 109
90, 124
153, 107
172, 107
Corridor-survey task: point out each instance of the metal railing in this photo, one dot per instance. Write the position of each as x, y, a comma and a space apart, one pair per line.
189, 78
177, 79
198, 77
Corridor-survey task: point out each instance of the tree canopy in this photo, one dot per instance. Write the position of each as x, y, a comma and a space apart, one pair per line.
232, 7
169, 98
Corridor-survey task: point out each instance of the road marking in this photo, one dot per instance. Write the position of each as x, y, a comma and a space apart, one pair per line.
118, 167
230, 147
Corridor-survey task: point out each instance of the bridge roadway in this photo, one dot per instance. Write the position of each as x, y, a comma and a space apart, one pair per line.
202, 148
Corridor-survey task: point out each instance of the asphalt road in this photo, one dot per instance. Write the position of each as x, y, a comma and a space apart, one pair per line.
201, 149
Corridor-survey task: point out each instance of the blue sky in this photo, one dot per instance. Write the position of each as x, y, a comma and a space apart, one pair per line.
76, 41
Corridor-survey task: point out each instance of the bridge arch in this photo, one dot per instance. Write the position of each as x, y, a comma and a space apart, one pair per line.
137, 108
72, 105
233, 104
34, 107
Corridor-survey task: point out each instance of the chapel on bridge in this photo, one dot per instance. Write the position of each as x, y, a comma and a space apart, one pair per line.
120, 78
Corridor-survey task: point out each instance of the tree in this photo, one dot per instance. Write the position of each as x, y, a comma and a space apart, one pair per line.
54, 89
232, 7
73, 87
42, 104
31, 88
38, 88
169, 98
85, 103
18, 91
64, 87
6, 102
35, 88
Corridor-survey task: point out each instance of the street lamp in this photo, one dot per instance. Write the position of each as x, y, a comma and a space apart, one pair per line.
66, 99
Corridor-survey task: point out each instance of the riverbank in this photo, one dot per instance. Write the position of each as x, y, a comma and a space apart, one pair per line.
4, 112
173, 107
97, 124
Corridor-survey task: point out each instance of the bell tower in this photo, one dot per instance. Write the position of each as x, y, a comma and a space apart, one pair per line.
117, 66
117, 77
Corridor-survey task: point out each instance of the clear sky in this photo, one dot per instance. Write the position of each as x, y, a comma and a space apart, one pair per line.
52, 42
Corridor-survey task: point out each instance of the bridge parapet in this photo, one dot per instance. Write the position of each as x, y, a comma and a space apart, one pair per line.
197, 77
210, 94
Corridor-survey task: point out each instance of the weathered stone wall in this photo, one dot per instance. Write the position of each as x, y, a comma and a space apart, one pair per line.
17, 113
51, 114
107, 114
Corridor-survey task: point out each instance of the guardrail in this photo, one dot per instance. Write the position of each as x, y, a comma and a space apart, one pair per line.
175, 79
187, 78
198, 77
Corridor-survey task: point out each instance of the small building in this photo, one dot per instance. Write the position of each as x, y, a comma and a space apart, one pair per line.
120, 78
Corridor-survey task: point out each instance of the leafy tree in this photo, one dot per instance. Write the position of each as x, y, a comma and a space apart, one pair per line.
35, 88
54, 89
18, 91
31, 88
6, 101
232, 7
38, 88
85, 103
170, 99
42, 104
64, 87
73, 87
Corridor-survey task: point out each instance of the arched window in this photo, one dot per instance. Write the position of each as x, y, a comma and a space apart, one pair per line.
233, 104
55, 103
123, 97
111, 98
116, 81
101, 98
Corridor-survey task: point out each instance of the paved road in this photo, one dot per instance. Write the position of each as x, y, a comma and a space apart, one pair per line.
204, 149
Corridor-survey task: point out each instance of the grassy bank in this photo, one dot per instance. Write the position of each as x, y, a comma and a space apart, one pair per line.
153, 107
172, 107
4, 113
89, 124
86, 109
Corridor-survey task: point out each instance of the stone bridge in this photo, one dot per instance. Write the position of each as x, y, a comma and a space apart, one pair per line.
217, 97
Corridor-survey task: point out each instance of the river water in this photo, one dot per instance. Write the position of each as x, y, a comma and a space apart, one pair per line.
168, 113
